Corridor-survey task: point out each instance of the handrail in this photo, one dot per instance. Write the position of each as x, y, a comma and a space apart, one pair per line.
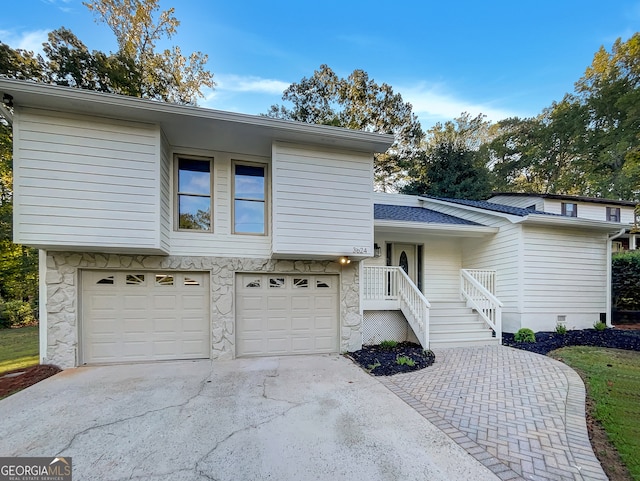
391, 283
484, 302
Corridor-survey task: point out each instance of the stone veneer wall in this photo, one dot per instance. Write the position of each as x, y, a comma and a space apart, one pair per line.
63, 290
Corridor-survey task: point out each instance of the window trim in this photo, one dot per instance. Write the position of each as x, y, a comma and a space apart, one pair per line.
617, 212
575, 209
265, 166
177, 193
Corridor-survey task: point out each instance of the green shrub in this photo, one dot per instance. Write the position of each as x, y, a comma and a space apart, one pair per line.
625, 280
388, 344
599, 326
405, 361
525, 335
16, 313
561, 329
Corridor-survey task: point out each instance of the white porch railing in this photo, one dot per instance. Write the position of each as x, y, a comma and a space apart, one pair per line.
479, 294
390, 288
485, 277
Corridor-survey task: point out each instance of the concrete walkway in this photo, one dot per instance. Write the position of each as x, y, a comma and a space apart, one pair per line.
520, 414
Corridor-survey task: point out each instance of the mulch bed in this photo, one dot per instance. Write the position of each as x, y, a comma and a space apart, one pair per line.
18, 379
381, 361
617, 338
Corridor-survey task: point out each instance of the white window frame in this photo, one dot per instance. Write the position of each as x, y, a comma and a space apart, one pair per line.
177, 193
616, 211
574, 212
265, 166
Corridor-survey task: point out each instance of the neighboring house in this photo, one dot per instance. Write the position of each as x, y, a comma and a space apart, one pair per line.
593, 208
175, 232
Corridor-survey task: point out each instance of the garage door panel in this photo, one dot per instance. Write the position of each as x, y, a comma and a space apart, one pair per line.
278, 324
301, 302
286, 314
301, 323
144, 315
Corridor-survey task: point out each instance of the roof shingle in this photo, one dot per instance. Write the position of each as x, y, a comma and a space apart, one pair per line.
416, 214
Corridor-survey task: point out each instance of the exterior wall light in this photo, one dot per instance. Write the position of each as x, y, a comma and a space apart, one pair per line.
377, 250
345, 260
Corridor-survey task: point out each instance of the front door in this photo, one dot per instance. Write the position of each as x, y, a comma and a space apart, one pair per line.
404, 255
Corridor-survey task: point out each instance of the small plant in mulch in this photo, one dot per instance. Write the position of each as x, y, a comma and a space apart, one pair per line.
599, 326
545, 342
525, 335
385, 359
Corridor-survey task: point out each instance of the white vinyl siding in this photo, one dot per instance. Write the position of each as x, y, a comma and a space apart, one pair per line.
86, 182
503, 254
441, 265
518, 201
564, 273
591, 211
165, 194
221, 242
322, 201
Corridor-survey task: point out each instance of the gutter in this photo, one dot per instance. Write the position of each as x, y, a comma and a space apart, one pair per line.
610, 238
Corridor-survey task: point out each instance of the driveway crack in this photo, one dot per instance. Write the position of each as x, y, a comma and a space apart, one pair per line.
137, 416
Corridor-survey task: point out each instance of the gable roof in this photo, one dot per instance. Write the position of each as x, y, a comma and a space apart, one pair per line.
491, 206
416, 214
575, 198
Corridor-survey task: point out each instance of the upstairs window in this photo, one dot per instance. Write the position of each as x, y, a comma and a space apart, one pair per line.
249, 199
194, 194
569, 209
613, 214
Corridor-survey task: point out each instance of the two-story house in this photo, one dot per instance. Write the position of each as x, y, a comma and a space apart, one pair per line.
175, 232
609, 210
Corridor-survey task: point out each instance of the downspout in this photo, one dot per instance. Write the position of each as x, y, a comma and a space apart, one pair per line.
609, 273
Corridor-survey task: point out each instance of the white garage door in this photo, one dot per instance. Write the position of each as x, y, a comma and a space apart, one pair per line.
286, 314
142, 316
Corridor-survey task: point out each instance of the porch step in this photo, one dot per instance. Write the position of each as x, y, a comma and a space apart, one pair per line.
453, 324
435, 344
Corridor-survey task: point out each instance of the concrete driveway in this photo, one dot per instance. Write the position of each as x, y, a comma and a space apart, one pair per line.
294, 418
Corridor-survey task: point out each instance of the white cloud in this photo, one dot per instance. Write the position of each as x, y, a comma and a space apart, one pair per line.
432, 103
239, 83
31, 41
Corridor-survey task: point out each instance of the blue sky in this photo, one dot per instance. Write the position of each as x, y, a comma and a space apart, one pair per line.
501, 58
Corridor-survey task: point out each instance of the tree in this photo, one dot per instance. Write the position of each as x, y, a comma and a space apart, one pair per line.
168, 76
609, 91
454, 163
18, 264
541, 154
21, 64
357, 102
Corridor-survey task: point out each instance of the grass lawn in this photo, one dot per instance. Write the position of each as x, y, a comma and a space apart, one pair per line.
612, 377
18, 348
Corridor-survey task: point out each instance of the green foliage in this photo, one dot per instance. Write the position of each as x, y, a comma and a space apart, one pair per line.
357, 102
388, 344
405, 361
625, 281
599, 326
136, 69
612, 379
16, 313
18, 348
167, 75
454, 162
373, 366
561, 329
524, 335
